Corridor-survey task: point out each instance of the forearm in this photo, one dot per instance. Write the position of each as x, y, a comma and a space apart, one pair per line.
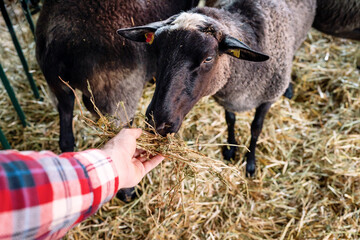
45, 195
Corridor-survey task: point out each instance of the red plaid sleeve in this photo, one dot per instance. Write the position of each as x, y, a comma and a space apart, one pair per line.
43, 195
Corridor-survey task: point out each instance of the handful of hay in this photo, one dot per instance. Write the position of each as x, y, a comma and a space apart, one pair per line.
171, 147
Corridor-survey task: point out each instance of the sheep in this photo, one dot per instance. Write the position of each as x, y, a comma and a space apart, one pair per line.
338, 18
199, 52
77, 41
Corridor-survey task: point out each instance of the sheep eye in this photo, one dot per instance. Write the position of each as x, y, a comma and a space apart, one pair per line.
208, 59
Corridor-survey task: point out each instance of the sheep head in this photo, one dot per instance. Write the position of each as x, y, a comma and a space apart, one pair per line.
192, 62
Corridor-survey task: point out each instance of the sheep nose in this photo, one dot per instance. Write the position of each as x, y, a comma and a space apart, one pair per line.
162, 129
159, 128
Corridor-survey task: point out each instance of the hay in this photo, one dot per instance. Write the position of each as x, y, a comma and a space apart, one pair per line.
307, 184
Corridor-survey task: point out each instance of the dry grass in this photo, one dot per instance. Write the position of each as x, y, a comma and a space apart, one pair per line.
307, 184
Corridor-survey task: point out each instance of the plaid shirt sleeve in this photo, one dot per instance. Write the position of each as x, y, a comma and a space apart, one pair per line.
43, 195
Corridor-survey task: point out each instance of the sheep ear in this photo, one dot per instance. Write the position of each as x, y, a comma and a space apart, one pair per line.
144, 33
238, 49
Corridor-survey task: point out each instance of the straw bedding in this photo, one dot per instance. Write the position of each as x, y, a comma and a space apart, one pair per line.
307, 184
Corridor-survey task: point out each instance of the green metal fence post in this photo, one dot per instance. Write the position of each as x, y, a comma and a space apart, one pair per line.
12, 96
27, 13
4, 141
18, 49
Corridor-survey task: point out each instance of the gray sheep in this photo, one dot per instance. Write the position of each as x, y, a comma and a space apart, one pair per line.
202, 52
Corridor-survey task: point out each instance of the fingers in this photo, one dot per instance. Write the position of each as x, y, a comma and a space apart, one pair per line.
152, 163
133, 132
142, 155
138, 152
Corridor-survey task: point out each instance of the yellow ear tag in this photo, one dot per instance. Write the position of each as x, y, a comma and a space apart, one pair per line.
235, 52
149, 37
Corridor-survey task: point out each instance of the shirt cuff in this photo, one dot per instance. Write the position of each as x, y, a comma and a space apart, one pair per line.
102, 174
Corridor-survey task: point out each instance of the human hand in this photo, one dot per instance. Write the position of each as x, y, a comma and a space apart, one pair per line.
131, 166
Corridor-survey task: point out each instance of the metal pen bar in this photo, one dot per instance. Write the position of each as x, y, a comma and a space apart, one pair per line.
27, 13
4, 141
19, 50
12, 96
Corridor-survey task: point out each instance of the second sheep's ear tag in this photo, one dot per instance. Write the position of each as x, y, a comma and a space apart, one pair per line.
149, 37
235, 52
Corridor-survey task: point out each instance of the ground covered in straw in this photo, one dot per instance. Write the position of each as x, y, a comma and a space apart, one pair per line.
307, 184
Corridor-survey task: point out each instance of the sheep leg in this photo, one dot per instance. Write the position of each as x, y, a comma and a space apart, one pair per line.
89, 105
256, 127
127, 194
289, 92
229, 152
66, 108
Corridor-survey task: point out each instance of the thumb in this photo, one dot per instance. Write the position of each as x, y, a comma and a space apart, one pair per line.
131, 132
153, 162
127, 139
